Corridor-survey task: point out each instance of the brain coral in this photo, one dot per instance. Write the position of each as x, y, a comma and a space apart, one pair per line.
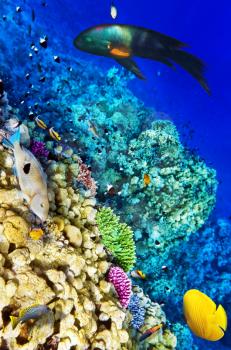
117, 238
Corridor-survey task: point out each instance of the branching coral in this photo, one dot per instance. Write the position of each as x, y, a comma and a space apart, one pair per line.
122, 284
117, 238
137, 311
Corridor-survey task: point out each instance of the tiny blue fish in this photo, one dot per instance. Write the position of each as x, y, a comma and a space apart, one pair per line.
32, 312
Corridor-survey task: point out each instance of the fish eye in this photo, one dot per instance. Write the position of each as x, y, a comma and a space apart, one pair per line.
42, 205
88, 39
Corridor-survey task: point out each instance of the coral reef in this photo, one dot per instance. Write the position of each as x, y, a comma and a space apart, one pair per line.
122, 285
182, 191
61, 262
188, 267
154, 315
67, 264
117, 238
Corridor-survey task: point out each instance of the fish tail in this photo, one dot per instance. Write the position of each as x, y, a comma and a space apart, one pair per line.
191, 64
168, 50
9, 143
14, 321
145, 336
15, 137
221, 317
6, 143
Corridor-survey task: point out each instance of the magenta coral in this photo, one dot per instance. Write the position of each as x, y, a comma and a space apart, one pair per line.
39, 149
85, 178
122, 284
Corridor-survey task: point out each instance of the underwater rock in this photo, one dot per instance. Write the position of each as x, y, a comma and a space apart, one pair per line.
16, 230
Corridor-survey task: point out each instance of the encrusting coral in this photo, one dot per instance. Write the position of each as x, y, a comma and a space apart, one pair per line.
117, 238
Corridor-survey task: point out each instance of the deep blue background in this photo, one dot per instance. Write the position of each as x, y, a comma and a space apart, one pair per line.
206, 27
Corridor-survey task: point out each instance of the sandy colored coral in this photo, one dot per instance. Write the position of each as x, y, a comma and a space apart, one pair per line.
68, 265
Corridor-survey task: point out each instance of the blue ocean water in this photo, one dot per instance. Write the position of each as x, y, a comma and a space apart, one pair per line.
203, 121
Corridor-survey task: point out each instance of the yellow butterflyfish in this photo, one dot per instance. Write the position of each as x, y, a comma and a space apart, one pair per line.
203, 317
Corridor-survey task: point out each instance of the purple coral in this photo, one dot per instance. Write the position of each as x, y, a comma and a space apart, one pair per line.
39, 149
122, 284
137, 311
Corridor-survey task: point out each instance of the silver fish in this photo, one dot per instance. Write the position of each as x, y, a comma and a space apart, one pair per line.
30, 313
31, 178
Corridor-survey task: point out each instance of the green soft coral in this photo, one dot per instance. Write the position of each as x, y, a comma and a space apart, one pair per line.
117, 238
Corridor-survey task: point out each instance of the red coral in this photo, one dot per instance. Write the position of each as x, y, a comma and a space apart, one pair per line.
85, 178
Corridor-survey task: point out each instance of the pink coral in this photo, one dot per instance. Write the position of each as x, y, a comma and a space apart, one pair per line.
122, 284
85, 178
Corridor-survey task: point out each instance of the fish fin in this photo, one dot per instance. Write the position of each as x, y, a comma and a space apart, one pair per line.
131, 65
221, 317
212, 331
120, 52
14, 321
7, 144
15, 137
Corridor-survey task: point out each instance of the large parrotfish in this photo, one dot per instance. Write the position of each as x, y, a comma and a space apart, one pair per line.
122, 42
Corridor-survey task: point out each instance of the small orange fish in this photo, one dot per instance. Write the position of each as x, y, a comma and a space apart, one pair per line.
150, 331
36, 233
147, 180
138, 274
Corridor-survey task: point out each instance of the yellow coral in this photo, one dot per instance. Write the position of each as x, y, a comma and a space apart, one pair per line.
16, 230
